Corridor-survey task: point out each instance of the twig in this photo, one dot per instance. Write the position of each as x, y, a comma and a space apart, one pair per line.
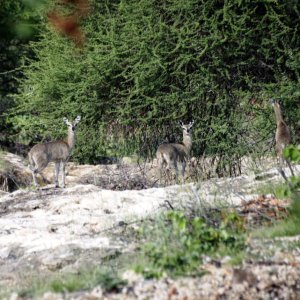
282, 173
170, 205
12, 71
259, 213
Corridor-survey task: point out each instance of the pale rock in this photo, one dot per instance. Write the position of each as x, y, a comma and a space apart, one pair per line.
131, 277
97, 292
14, 296
51, 296
129, 160
58, 229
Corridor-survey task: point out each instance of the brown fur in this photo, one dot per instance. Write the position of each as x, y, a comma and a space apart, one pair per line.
57, 151
169, 154
282, 135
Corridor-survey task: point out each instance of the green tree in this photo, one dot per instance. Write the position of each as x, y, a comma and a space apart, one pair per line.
19, 23
147, 64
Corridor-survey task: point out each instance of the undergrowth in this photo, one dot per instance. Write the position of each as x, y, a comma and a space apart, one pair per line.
176, 243
274, 188
84, 280
286, 227
290, 189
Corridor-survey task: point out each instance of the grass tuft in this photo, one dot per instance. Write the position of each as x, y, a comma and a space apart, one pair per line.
107, 279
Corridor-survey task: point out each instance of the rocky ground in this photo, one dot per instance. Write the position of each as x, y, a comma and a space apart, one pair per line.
49, 231
277, 281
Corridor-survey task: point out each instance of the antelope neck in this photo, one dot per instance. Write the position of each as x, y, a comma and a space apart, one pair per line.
187, 141
71, 137
278, 114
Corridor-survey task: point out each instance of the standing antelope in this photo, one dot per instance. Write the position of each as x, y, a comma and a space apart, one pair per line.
57, 151
169, 154
282, 135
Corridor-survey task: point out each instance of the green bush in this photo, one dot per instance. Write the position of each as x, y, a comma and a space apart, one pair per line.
109, 281
180, 244
148, 64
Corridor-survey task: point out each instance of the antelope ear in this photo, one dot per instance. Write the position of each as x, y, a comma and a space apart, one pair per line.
192, 123
180, 123
78, 118
66, 120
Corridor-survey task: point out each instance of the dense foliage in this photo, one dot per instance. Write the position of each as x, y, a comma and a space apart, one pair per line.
148, 64
178, 243
19, 23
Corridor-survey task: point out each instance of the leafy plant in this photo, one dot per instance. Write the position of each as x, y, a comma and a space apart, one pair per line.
147, 64
107, 279
179, 247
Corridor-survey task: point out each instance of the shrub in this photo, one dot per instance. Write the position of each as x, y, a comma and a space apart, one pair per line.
147, 64
108, 279
181, 242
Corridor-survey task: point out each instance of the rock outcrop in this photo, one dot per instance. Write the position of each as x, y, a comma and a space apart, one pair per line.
60, 230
